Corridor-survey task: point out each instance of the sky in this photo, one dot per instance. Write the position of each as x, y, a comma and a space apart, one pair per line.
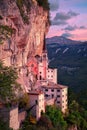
69, 19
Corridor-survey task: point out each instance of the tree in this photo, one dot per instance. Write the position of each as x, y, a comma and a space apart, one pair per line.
24, 101
4, 126
44, 121
5, 32
74, 106
77, 116
56, 117
44, 4
9, 88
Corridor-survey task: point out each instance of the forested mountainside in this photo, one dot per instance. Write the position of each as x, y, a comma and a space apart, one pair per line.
70, 58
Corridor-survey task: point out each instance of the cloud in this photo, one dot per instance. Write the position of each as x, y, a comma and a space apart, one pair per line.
58, 22
54, 5
67, 35
62, 17
65, 16
82, 27
72, 28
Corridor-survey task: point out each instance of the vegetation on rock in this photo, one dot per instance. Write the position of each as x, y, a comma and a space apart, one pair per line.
21, 5
3, 125
46, 7
44, 4
5, 32
9, 88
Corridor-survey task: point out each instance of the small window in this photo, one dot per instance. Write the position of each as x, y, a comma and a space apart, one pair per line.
51, 75
66, 100
58, 95
58, 90
40, 77
46, 95
46, 89
58, 102
52, 95
52, 90
36, 102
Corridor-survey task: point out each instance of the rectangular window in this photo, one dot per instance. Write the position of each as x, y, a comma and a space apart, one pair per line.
58, 102
58, 90
46, 89
46, 95
52, 90
58, 95
52, 95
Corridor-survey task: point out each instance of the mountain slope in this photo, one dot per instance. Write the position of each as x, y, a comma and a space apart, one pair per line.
71, 61
61, 40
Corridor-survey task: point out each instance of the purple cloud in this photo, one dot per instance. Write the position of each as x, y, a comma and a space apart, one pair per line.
62, 17
72, 28
67, 35
65, 16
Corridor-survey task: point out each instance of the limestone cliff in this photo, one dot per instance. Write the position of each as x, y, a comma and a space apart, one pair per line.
23, 25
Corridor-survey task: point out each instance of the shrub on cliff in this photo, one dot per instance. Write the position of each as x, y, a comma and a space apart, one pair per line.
44, 4
9, 88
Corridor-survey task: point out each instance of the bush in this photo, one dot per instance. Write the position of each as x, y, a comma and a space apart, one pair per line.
44, 4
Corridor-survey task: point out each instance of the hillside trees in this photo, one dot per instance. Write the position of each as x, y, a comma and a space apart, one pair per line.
77, 116
56, 117
9, 88
4, 126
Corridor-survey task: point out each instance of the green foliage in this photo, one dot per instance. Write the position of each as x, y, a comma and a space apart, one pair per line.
5, 32
24, 101
46, 7
81, 97
21, 4
53, 119
4, 126
44, 4
9, 87
45, 122
56, 117
77, 116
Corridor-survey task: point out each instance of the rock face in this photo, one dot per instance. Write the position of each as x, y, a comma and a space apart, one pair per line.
24, 24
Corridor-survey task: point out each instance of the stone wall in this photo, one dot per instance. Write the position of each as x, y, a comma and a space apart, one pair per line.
10, 115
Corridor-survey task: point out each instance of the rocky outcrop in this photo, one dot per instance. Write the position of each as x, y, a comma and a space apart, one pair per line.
24, 24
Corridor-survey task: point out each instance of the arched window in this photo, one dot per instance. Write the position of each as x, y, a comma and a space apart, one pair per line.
40, 77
